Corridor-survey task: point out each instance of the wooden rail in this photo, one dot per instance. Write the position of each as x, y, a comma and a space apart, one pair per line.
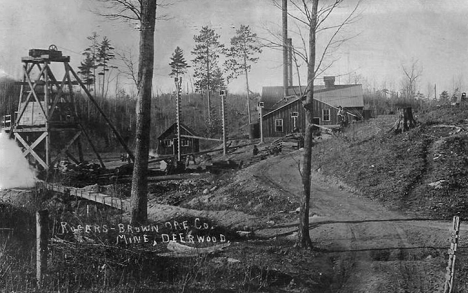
114, 202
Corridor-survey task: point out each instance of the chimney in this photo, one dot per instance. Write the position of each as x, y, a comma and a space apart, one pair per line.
329, 81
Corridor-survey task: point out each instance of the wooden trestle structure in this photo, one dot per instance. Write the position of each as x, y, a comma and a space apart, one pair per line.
47, 124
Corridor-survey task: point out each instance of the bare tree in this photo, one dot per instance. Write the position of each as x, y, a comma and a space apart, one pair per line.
314, 18
128, 10
412, 73
128, 59
143, 11
331, 33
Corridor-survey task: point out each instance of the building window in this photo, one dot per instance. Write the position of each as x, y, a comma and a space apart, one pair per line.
326, 115
279, 125
184, 143
168, 142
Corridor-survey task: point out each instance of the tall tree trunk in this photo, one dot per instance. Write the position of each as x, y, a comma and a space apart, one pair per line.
285, 47
303, 239
208, 86
139, 196
248, 90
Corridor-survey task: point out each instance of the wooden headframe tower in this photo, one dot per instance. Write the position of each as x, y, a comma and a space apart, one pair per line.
47, 124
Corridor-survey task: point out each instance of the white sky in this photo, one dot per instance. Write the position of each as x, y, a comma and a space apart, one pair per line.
391, 33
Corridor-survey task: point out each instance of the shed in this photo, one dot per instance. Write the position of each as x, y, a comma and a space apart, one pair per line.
167, 141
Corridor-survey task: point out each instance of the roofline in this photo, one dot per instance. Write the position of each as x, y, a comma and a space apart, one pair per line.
335, 87
300, 98
182, 126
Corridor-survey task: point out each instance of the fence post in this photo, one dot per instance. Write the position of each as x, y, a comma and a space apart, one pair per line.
42, 231
449, 276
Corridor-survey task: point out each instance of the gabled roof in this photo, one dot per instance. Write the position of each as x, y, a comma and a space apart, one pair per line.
172, 128
347, 95
297, 99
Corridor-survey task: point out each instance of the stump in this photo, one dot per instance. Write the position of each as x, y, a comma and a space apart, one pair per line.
405, 121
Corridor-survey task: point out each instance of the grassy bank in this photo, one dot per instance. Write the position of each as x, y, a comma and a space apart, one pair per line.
423, 170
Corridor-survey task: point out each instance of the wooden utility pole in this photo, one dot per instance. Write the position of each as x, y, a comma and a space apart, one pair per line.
178, 82
223, 94
42, 235
260, 110
449, 276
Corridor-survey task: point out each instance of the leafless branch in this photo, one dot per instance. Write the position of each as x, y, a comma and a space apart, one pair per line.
339, 28
127, 10
131, 70
304, 46
412, 72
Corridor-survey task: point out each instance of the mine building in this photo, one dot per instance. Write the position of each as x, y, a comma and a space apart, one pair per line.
282, 115
189, 143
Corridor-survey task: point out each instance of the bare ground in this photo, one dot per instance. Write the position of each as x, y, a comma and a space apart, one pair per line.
373, 248
361, 245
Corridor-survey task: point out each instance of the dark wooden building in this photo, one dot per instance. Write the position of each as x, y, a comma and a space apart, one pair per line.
168, 141
283, 115
290, 117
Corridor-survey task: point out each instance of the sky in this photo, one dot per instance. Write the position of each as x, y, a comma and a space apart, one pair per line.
387, 36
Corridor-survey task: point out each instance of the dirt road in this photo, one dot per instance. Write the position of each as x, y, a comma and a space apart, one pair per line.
375, 249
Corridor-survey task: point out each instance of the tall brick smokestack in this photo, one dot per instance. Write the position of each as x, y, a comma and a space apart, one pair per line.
285, 47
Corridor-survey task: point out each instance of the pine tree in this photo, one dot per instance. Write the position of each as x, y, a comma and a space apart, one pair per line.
86, 70
104, 55
207, 51
91, 53
178, 64
240, 56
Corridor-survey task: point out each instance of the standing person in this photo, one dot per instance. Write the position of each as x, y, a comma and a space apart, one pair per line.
341, 116
255, 150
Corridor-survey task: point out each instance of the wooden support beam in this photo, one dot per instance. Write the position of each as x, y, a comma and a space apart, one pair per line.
72, 157
67, 146
59, 89
28, 97
29, 150
35, 144
45, 58
33, 92
109, 123
30, 129
92, 146
43, 83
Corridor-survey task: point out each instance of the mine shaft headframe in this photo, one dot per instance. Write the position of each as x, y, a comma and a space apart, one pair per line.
51, 54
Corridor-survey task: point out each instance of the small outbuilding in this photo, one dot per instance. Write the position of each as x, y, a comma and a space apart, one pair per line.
167, 142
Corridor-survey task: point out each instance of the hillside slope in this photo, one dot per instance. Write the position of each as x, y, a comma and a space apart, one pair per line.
423, 170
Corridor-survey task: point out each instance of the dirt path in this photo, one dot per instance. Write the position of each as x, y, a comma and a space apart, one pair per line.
376, 250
